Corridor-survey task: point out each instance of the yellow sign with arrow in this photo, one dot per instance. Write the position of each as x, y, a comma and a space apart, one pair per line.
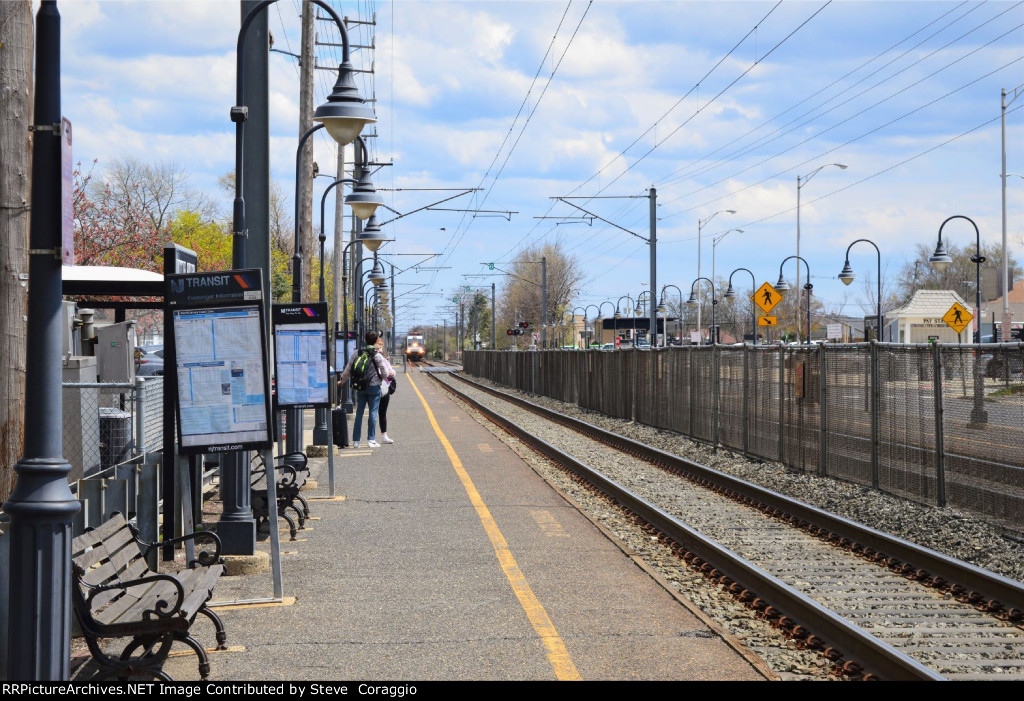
768, 321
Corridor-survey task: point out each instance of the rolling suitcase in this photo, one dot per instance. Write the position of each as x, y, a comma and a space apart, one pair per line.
339, 425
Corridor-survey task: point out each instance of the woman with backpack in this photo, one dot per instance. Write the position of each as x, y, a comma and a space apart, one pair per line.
387, 388
367, 370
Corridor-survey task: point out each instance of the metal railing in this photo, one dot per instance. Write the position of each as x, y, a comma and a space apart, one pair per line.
938, 424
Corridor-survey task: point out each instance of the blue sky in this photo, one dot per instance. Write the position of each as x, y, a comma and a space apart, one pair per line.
719, 105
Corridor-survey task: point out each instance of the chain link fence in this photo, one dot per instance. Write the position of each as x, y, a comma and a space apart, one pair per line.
935, 424
111, 424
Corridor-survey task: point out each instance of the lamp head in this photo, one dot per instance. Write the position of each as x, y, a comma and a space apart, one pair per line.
782, 286
364, 199
377, 274
730, 292
847, 275
692, 301
372, 237
345, 113
941, 259
661, 308
617, 314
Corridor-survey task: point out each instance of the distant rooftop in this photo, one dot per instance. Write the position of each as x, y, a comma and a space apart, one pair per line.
930, 303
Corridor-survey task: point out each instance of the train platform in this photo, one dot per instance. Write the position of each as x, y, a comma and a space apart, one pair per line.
444, 556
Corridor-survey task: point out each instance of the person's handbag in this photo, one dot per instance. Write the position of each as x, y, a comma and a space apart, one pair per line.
392, 385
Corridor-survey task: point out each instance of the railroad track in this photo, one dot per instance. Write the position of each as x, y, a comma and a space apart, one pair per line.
875, 605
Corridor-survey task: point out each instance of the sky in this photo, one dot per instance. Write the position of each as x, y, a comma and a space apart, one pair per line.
718, 105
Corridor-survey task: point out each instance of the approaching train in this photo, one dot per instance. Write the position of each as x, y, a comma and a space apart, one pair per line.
415, 348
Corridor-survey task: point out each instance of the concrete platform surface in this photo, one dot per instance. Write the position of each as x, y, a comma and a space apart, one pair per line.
453, 562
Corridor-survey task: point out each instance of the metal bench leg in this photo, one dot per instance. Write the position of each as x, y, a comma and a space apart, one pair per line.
291, 524
222, 636
298, 514
305, 506
204, 661
150, 663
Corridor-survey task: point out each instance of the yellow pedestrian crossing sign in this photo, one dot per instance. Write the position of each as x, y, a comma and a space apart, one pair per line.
768, 321
957, 318
766, 298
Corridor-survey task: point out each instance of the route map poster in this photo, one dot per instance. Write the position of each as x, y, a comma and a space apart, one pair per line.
220, 361
300, 355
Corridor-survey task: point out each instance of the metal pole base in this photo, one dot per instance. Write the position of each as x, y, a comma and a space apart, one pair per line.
236, 527
321, 431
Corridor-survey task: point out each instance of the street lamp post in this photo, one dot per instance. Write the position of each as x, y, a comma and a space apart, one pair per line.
584, 334
714, 302
642, 300
730, 293
782, 286
700, 226
940, 260
343, 115
618, 316
800, 182
847, 276
41, 506
663, 307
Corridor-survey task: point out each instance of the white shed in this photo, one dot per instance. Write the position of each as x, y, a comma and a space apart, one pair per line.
920, 321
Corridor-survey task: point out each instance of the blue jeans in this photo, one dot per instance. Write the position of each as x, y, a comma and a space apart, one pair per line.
370, 396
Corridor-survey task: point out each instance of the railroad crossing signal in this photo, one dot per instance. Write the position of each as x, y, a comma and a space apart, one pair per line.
766, 297
768, 321
957, 318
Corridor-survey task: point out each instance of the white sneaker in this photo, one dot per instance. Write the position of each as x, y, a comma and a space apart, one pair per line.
373, 444
355, 444
385, 439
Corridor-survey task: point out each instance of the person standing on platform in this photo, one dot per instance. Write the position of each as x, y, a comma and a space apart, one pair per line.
367, 370
387, 388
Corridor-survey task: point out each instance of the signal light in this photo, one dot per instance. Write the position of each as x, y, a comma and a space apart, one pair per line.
510, 332
524, 324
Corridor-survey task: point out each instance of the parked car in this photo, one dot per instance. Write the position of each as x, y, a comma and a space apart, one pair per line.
149, 361
608, 346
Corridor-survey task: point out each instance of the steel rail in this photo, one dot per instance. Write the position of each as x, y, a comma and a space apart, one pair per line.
797, 612
995, 592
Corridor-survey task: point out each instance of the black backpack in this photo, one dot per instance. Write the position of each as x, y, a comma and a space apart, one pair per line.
361, 369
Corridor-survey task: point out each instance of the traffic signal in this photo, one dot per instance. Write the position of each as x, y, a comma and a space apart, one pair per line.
511, 332
524, 325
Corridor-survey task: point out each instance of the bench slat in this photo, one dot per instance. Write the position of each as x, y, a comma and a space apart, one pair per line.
87, 559
98, 534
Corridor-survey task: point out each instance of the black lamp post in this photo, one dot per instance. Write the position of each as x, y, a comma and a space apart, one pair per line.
343, 115
642, 300
940, 260
782, 286
730, 293
847, 277
714, 302
41, 506
618, 314
364, 201
663, 308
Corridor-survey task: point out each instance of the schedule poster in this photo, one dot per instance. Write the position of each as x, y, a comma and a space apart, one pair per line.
300, 355
219, 357
221, 385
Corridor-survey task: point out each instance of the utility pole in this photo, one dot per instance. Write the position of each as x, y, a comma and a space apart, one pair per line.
653, 241
544, 300
494, 321
15, 144
305, 173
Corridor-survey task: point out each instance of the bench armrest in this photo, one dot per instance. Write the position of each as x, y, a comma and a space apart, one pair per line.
161, 605
203, 558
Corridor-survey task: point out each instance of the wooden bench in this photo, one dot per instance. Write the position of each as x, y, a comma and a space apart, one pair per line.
291, 472
115, 595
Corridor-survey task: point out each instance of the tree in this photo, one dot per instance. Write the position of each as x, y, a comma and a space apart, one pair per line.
112, 228
161, 190
959, 276
15, 140
211, 240
520, 297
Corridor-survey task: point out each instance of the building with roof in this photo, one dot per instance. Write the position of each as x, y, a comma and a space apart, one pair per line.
992, 312
920, 321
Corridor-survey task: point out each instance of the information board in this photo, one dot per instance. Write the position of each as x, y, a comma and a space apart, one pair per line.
220, 361
300, 355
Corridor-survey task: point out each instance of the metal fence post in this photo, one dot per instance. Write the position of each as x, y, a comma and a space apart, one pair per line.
822, 411
874, 413
689, 361
782, 401
716, 372
940, 457
140, 418
746, 401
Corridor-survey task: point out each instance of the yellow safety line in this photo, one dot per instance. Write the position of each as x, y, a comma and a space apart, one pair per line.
557, 653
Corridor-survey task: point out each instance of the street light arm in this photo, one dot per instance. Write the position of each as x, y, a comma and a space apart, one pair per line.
420, 209
808, 267
807, 178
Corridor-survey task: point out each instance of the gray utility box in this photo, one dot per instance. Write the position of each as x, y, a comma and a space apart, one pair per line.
115, 352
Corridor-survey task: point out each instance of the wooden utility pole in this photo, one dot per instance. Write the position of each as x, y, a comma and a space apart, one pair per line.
305, 175
15, 149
